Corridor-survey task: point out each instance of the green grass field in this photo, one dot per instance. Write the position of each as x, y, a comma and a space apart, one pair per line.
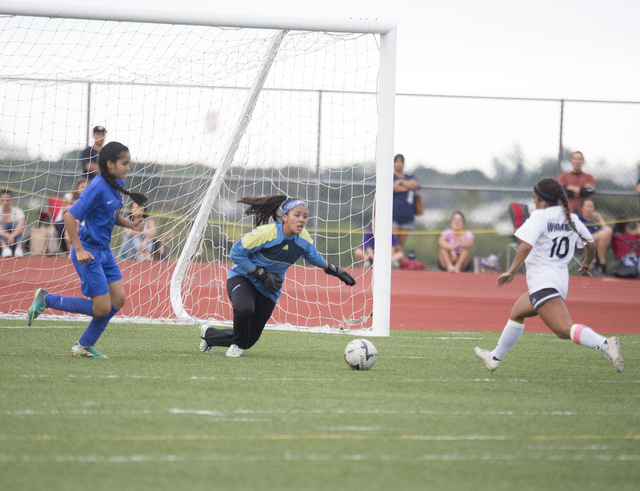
290, 414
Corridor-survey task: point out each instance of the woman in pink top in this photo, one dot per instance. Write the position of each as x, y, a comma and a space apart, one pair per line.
455, 246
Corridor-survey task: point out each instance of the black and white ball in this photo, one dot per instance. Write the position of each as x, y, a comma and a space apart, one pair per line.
360, 354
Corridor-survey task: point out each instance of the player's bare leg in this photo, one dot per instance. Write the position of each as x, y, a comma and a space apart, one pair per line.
556, 316
511, 333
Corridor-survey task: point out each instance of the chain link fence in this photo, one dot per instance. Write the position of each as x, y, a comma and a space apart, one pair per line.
479, 154
472, 154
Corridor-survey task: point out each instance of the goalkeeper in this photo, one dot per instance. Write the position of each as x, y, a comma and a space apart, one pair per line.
261, 259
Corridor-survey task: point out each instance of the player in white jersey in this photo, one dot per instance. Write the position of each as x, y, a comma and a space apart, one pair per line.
548, 239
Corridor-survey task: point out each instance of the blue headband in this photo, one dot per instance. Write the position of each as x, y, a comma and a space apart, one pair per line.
292, 204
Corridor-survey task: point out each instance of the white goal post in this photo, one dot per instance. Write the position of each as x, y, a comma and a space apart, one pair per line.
213, 108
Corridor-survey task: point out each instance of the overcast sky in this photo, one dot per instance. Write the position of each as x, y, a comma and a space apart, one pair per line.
557, 49
574, 49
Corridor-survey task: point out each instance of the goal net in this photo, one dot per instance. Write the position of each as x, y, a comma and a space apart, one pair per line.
210, 114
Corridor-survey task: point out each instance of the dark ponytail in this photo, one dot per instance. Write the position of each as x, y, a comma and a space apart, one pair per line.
263, 208
550, 188
113, 151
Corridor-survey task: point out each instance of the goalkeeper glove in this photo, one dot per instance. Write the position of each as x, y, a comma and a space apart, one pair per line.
271, 281
340, 273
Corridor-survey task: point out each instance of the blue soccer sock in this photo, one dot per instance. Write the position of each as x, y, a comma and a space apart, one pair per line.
77, 305
95, 329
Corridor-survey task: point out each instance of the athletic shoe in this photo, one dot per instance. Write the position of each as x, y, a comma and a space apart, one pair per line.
7, 252
38, 306
88, 351
204, 347
18, 252
234, 351
487, 359
612, 353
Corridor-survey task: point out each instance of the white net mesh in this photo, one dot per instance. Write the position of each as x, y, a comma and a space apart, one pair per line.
173, 95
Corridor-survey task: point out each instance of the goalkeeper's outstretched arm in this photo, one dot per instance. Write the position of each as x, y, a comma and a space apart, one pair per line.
340, 273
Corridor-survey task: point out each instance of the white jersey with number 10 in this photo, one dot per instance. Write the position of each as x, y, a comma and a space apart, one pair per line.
554, 243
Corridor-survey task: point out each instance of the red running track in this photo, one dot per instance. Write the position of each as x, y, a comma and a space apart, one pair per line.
472, 302
420, 300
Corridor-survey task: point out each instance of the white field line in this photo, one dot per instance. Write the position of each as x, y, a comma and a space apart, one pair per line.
40, 327
315, 412
331, 379
115, 459
455, 338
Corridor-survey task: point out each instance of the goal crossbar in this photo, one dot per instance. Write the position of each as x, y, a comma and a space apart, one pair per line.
104, 12
386, 95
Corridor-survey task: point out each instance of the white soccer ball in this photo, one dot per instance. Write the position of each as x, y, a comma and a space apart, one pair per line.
360, 354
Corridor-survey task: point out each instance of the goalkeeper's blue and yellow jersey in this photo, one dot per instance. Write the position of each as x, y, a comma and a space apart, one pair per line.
269, 247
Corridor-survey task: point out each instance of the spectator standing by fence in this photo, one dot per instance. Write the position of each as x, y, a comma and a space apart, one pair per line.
404, 196
577, 185
89, 156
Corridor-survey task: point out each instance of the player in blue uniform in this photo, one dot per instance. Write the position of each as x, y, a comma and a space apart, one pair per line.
261, 259
89, 224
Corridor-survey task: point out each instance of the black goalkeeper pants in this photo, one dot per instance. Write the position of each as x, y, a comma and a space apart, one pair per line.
251, 311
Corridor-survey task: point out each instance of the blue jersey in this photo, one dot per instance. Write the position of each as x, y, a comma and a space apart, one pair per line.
96, 211
404, 203
267, 246
591, 227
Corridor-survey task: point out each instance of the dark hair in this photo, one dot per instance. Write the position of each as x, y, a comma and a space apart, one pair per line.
551, 188
146, 212
6, 191
459, 213
620, 227
399, 157
111, 152
74, 193
264, 207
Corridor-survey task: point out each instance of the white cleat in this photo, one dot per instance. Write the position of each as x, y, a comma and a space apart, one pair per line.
612, 353
204, 347
86, 351
487, 359
234, 351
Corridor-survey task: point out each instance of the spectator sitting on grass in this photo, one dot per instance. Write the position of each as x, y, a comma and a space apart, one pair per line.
12, 226
58, 221
139, 244
455, 246
366, 253
601, 233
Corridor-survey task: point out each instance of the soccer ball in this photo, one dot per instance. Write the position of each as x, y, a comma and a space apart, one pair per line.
360, 354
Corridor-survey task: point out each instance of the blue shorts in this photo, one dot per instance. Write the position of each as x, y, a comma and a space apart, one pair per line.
97, 274
409, 225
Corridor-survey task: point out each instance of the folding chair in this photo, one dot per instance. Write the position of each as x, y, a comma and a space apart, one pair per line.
55, 205
625, 245
519, 214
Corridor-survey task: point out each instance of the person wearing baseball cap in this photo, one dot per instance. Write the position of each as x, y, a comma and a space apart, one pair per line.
89, 156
